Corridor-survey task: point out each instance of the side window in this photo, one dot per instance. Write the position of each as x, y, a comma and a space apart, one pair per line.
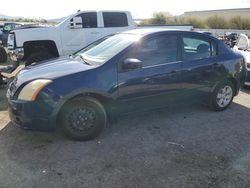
157, 50
89, 20
196, 48
115, 19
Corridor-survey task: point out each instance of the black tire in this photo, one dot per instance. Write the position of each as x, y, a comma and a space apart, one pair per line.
3, 55
1, 81
220, 100
37, 57
83, 118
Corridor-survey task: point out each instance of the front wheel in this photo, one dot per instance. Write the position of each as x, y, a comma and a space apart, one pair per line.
83, 118
3, 55
222, 96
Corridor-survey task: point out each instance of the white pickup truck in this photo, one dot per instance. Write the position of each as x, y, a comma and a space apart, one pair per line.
72, 34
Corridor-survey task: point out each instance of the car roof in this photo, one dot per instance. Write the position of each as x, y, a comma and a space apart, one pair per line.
148, 31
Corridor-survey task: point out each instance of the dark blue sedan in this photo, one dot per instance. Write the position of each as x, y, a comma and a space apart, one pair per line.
135, 70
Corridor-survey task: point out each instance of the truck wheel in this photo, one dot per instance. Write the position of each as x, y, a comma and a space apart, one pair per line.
38, 56
3, 55
83, 118
1, 81
222, 96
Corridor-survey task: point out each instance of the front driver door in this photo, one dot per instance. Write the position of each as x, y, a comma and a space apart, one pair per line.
73, 39
158, 81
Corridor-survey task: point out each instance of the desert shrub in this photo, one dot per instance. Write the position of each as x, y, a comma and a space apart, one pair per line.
195, 22
238, 22
217, 22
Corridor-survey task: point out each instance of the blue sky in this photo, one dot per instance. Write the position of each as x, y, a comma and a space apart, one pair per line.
139, 8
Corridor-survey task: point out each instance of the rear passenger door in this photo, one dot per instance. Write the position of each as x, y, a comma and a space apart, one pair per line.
201, 67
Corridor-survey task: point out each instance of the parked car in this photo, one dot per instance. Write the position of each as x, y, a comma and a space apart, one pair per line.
127, 72
7, 27
231, 39
1, 26
243, 46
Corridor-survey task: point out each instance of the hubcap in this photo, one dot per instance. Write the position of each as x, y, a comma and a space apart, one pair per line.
82, 118
224, 96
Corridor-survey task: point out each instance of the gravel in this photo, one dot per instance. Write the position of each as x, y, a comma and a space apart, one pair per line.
182, 146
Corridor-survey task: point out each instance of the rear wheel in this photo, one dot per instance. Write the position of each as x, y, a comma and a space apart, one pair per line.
222, 96
3, 55
83, 118
38, 56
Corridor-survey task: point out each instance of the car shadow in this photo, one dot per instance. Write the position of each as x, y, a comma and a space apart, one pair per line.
186, 145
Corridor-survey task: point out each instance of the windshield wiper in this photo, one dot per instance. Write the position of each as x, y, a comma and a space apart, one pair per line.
84, 60
71, 55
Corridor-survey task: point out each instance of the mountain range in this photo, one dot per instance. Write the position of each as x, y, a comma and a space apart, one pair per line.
2, 16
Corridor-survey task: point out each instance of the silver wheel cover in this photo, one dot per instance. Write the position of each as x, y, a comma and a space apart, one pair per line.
224, 96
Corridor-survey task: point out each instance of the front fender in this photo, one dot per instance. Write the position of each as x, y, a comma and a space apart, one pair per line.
62, 100
36, 34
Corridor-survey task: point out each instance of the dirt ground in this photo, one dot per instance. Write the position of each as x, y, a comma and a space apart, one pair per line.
183, 147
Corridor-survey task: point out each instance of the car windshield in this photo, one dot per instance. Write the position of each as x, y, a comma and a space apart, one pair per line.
100, 53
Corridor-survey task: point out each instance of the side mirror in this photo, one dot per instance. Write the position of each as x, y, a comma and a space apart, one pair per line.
75, 23
131, 64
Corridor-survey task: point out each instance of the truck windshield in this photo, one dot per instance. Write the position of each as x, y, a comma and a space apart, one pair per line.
107, 48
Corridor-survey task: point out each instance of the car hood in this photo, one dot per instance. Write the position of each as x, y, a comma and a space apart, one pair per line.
52, 69
29, 27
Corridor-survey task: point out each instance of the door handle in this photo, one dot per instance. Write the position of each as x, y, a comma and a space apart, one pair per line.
95, 32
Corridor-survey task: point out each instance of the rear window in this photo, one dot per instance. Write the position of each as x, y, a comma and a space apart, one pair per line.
115, 19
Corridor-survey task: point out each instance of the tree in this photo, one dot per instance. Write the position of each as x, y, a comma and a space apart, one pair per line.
160, 18
213, 22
